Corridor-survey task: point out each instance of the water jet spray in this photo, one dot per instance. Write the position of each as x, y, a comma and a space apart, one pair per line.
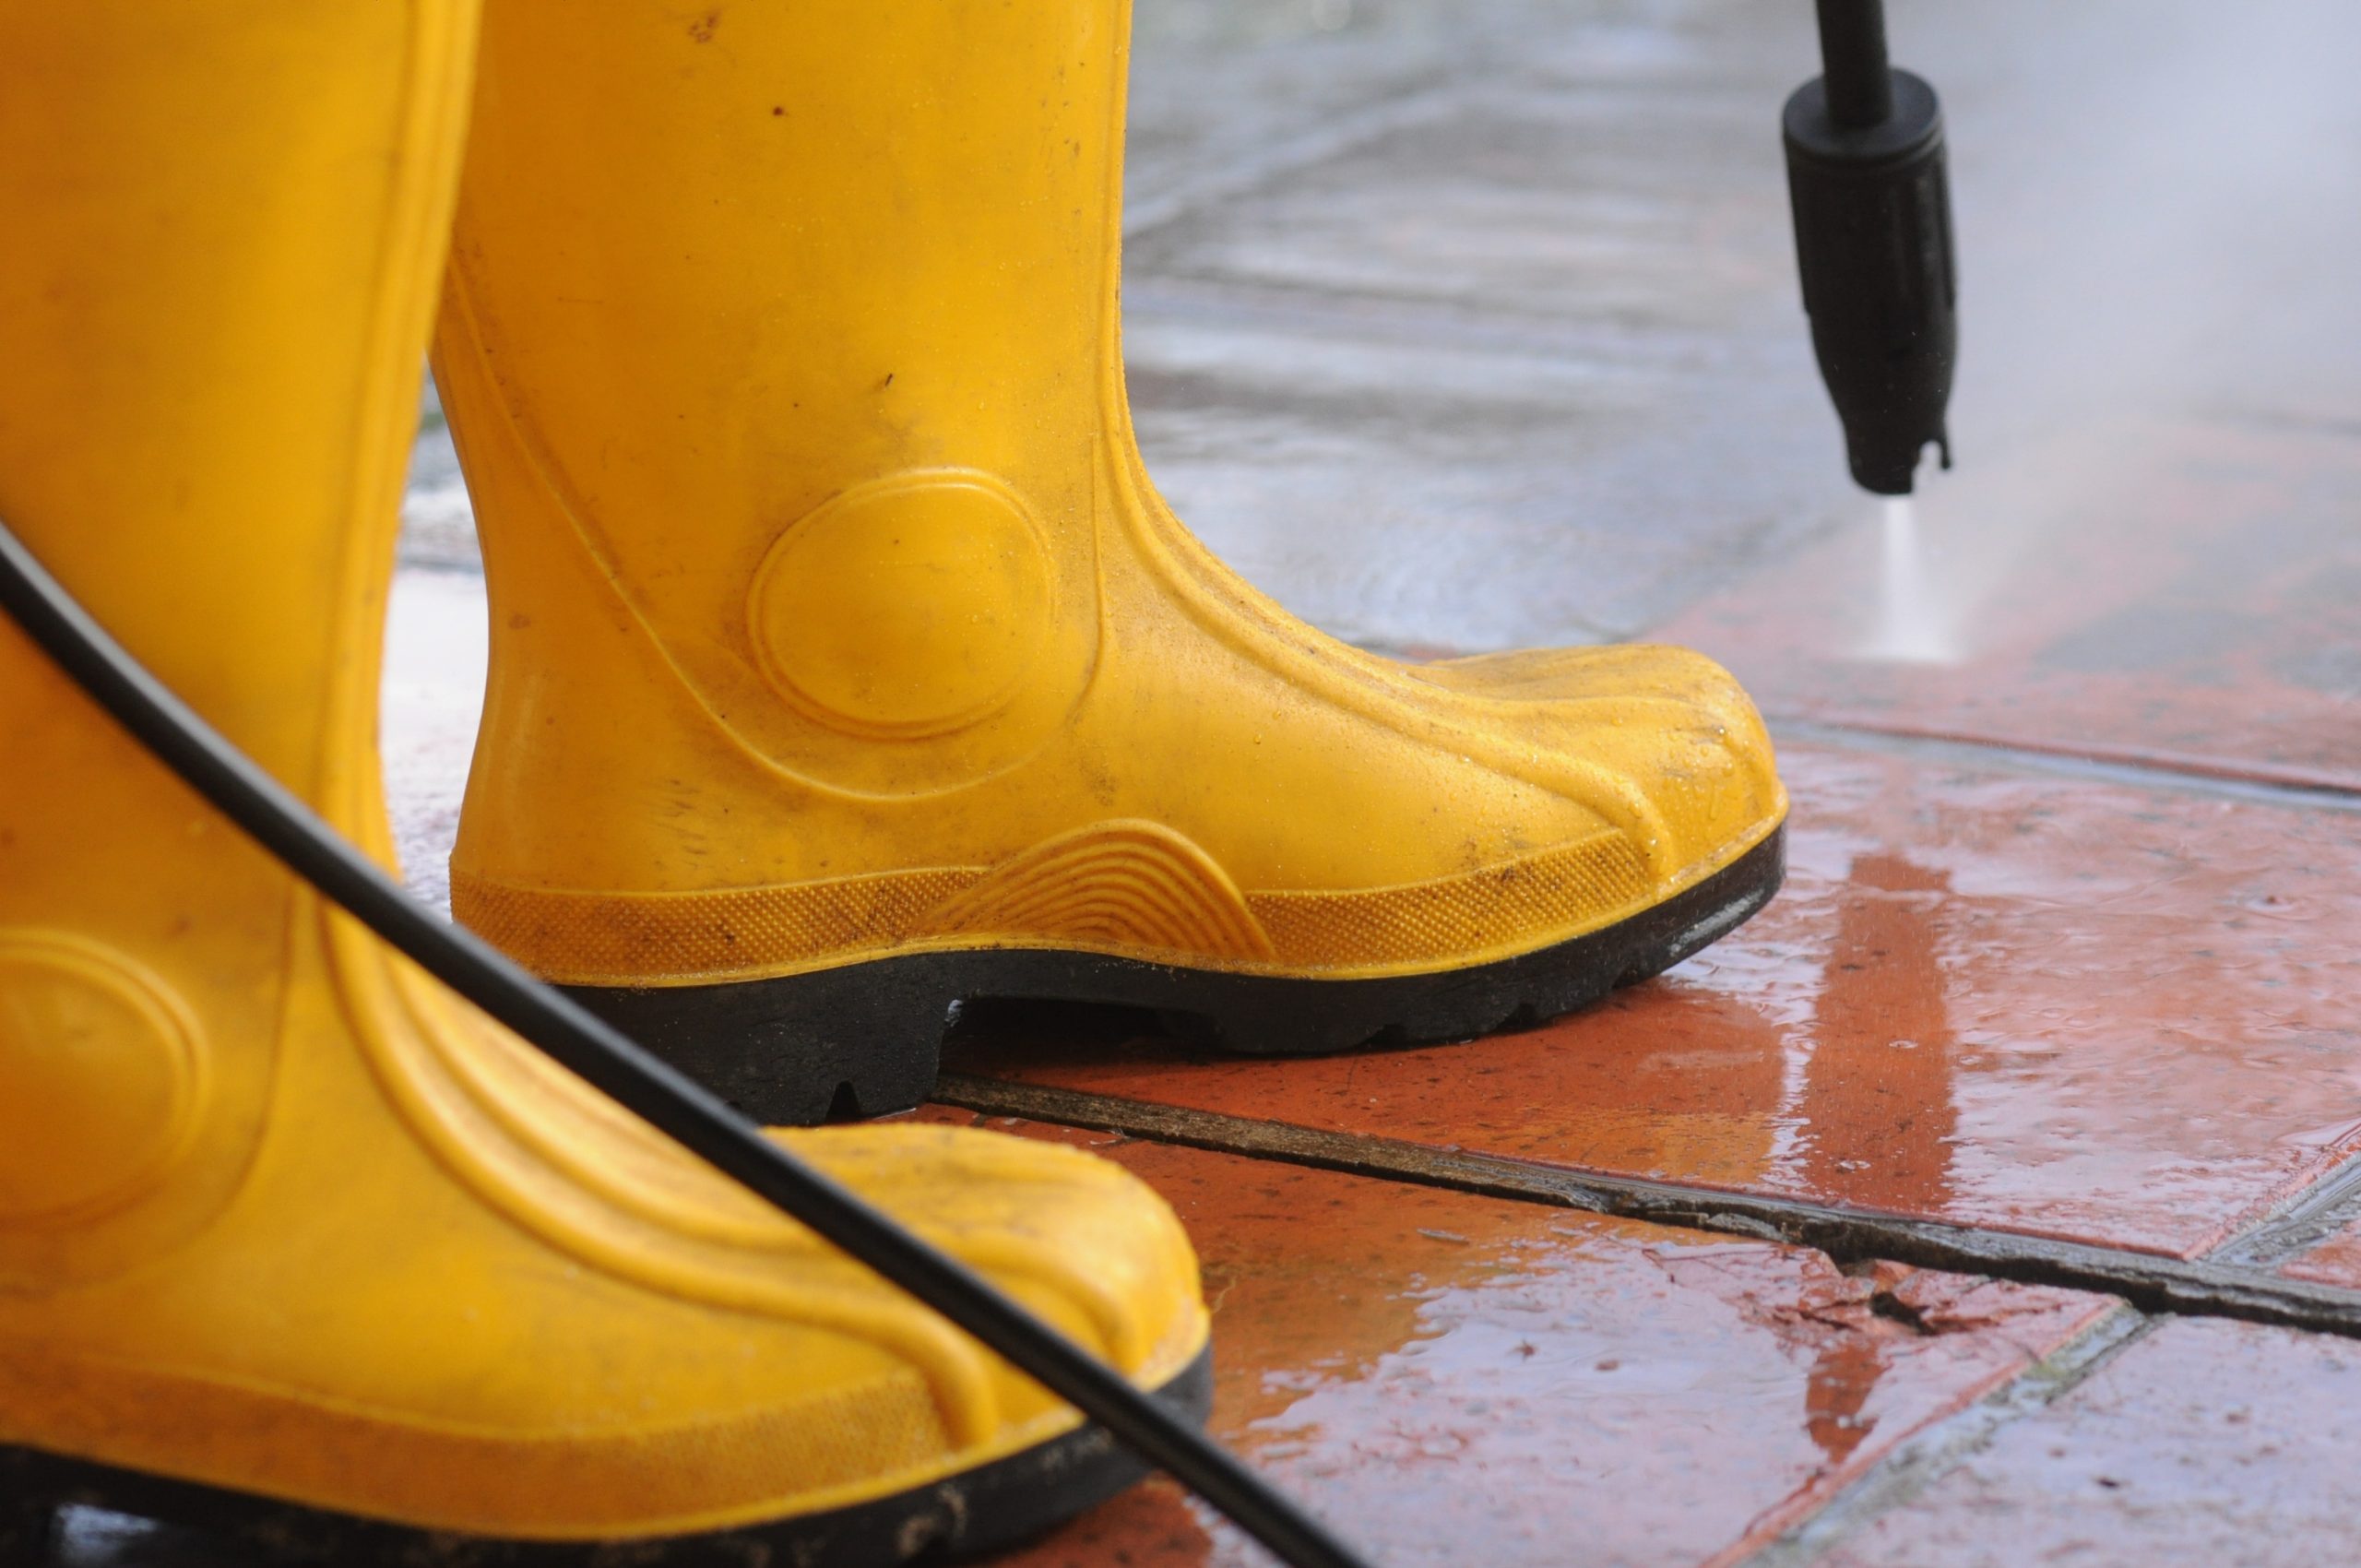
1873, 243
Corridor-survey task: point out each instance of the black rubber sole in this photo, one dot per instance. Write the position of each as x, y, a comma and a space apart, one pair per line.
996, 1505
866, 1039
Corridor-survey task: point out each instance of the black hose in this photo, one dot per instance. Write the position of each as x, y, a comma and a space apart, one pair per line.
1853, 60
701, 1123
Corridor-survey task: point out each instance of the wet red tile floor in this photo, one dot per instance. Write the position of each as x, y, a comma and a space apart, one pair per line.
1430, 1369
2114, 1010
2086, 1011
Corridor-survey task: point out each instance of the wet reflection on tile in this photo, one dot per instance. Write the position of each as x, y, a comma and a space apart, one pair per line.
2207, 1443
2077, 1010
1454, 1379
1877, 1116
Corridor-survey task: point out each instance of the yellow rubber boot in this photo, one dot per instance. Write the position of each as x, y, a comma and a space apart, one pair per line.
291, 1241
845, 663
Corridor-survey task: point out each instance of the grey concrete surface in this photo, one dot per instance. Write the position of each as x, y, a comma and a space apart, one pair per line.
1521, 360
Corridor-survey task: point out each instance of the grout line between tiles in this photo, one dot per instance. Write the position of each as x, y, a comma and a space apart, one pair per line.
2187, 776
2297, 1225
2152, 1282
1903, 1474
2326, 1208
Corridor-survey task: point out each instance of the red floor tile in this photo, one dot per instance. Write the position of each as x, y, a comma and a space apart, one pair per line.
2336, 1261
2208, 1443
2069, 1009
1454, 1379
2184, 593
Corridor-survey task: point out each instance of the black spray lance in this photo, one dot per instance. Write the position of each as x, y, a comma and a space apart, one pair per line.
1873, 241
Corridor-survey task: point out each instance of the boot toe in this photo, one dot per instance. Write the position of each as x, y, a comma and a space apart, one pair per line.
1077, 1238
1670, 724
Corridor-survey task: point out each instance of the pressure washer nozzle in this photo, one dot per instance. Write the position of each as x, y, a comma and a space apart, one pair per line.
1873, 243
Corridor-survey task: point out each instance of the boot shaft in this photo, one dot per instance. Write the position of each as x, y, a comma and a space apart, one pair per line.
225, 228
752, 258
780, 346
225, 233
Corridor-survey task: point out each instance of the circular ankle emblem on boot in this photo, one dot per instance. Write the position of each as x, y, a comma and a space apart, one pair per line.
98, 1078
911, 605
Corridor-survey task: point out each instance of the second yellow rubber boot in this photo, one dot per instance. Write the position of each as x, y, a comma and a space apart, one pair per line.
845, 663
293, 1244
